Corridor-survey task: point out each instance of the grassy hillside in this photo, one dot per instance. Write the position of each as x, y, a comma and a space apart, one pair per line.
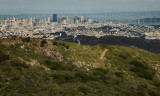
55, 68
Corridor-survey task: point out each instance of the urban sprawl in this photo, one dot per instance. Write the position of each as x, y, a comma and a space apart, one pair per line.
38, 28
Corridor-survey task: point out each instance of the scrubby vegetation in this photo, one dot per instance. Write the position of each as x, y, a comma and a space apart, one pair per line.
126, 71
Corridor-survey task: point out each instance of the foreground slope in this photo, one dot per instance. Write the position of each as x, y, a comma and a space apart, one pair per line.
48, 67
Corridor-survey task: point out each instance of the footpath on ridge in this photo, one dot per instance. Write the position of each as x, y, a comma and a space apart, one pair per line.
102, 58
103, 54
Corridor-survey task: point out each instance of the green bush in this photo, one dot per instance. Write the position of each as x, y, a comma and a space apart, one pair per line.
139, 65
62, 77
18, 64
153, 93
124, 55
61, 44
119, 74
3, 57
59, 65
55, 43
142, 70
100, 71
43, 43
156, 82
26, 39
84, 90
83, 77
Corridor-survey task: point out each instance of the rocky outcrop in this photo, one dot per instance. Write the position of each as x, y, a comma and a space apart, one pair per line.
48, 51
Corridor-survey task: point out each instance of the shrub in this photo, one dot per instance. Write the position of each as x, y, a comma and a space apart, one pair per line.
142, 70
26, 39
139, 64
15, 37
124, 55
48, 63
59, 65
61, 44
18, 64
156, 82
153, 93
100, 72
119, 74
62, 77
66, 46
83, 89
3, 57
83, 77
55, 43
43, 42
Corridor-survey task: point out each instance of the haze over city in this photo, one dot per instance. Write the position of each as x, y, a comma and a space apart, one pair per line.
10, 7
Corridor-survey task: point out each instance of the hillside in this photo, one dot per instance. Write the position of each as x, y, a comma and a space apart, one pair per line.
150, 45
42, 67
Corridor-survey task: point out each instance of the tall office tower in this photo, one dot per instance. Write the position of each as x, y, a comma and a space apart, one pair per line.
55, 19
45, 20
31, 19
67, 19
86, 19
13, 19
81, 19
77, 22
89, 21
64, 21
60, 20
49, 20
5, 22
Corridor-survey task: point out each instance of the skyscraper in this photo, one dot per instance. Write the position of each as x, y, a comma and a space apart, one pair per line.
55, 19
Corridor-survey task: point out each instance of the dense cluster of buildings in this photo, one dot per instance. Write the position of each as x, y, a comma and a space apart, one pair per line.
38, 28
110, 29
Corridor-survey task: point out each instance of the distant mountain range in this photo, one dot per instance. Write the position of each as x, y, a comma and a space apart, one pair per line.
96, 16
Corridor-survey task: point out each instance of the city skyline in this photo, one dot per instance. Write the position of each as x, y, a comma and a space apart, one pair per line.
76, 6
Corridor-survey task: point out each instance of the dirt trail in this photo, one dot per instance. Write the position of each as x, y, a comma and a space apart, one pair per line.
103, 54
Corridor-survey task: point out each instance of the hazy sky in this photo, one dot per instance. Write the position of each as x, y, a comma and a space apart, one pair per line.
76, 6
